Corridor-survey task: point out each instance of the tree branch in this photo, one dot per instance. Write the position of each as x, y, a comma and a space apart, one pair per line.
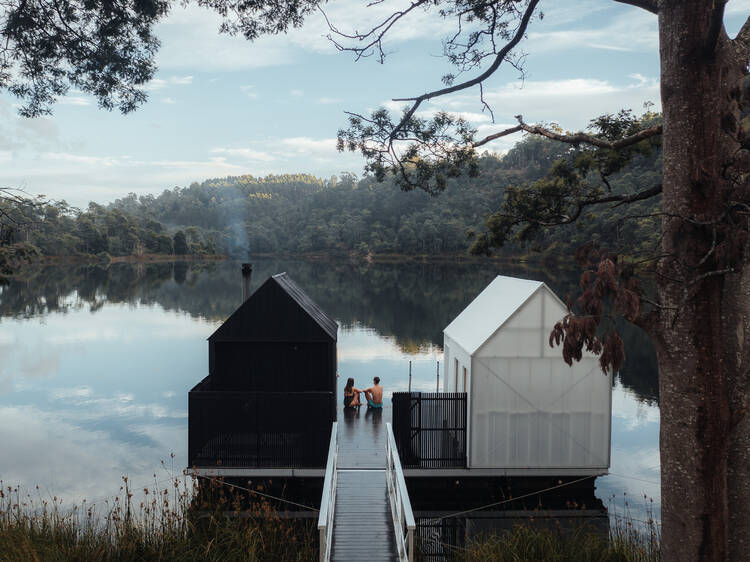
619, 199
576, 138
474, 81
648, 5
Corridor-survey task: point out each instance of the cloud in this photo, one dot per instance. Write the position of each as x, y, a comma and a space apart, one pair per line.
571, 102
74, 100
738, 7
631, 30
191, 40
297, 93
85, 160
248, 90
161, 83
246, 153
68, 393
20, 133
168, 101
471, 117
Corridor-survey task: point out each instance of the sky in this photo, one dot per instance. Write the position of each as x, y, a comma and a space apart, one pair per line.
220, 105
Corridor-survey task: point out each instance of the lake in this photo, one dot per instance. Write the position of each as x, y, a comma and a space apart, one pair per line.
96, 362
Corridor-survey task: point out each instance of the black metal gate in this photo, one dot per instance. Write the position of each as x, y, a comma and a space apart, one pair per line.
430, 429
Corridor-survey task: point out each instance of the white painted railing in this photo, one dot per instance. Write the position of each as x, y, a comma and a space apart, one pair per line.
403, 518
328, 500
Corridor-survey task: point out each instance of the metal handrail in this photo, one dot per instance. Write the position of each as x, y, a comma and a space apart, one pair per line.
328, 499
403, 518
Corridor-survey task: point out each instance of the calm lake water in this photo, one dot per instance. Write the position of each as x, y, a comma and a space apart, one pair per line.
96, 363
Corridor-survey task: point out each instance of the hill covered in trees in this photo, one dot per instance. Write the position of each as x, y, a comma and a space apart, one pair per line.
303, 214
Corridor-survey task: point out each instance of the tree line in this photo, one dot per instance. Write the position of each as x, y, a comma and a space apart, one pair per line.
297, 214
304, 214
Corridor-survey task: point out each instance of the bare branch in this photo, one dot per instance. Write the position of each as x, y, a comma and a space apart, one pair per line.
648, 5
474, 81
583, 203
618, 199
494, 136
583, 138
375, 35
577, 138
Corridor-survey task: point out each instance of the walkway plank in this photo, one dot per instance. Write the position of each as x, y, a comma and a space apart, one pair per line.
363, 525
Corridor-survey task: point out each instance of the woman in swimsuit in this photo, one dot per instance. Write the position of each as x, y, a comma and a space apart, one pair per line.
351, 394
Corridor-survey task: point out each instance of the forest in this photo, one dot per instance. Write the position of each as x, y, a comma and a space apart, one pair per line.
300, 214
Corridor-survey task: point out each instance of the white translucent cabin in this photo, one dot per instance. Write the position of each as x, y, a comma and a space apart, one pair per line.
529, 413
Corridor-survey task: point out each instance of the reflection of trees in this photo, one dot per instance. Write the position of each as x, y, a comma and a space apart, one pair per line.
410, 301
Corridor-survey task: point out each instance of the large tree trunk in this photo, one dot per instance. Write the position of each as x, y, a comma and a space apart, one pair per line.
700, 370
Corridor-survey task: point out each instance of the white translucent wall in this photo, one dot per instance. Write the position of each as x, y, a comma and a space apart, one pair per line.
528, 409
455, 356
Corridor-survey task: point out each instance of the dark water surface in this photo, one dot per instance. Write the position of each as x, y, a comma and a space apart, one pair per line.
96, 362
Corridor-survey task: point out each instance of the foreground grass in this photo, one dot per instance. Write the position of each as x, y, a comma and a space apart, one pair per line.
170, 524
181, 521
624, 542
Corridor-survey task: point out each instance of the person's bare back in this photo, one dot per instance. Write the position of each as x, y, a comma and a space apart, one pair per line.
374, 394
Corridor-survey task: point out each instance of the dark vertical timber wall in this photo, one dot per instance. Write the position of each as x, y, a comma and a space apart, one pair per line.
272, 344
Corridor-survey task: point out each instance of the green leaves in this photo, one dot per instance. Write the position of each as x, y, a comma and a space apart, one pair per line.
419, 152
578, 180
103, 48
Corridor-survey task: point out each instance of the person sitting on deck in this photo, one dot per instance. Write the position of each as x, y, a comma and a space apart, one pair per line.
374, 394
351, 394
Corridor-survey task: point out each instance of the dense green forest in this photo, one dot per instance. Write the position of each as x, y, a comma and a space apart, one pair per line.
302, 214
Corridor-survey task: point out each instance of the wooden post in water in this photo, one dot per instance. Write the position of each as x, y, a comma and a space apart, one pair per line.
438, 377
409, 376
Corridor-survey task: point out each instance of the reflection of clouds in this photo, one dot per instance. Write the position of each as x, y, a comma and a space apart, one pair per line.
82, 404
85, 336
43, 367
73, 462
65, 393
636, 467
7, 339
360, 344
635, 473
625, 405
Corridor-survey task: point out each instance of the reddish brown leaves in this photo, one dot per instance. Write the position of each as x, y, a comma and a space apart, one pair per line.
605, 293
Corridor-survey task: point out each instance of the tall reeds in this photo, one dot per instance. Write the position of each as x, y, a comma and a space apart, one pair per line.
172, 521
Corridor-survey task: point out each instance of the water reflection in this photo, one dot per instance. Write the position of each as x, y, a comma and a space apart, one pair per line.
96, 362
410, 302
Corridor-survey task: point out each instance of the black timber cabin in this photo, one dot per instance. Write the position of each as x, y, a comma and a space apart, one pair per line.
269, 399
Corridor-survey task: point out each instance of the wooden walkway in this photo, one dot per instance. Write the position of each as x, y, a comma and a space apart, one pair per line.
363, 525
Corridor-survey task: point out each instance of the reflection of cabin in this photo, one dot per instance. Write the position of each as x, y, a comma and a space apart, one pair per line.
510, 406
270, 396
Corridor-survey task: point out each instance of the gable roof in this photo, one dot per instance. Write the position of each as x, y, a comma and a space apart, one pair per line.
279, 310
490, 310
328, 324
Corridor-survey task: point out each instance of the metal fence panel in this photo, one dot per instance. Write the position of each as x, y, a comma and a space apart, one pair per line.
430, 429
258, 429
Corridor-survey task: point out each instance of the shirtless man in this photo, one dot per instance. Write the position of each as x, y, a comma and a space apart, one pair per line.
374, 394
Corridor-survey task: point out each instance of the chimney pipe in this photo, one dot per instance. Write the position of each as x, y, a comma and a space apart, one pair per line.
247, 271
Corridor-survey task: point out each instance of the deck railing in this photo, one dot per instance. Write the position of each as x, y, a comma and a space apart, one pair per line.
328, 499
403, 518
430, 429
258, 429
